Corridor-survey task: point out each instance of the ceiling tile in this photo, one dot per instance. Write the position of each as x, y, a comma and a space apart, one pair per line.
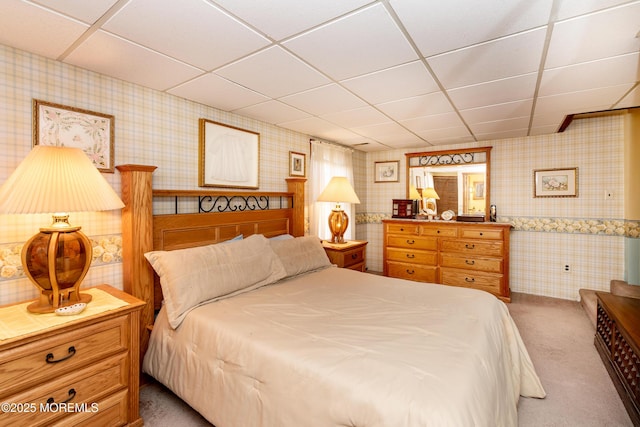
497, 126
390, 133
632, 99
274, 73
113, 56
85, 11
498, 111
580, 102
323, 100
495, 92
364, 116
467, 24
441, 134
505, 134
204, 36
436, 121
572, 8
403, 81
595, 36
213, 90
318, 127
365, 41
499, 59
418, 106
283, 18
272, 112
34, 29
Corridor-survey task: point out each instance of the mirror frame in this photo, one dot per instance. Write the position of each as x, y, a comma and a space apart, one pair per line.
486, 150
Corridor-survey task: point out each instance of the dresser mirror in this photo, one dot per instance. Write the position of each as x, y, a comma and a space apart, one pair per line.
460, 179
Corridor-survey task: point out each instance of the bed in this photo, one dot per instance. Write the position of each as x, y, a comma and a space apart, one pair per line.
294, 341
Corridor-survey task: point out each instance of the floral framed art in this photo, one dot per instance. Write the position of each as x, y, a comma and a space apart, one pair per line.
228, 156
297, 164
386, 171
555, 182
60, 125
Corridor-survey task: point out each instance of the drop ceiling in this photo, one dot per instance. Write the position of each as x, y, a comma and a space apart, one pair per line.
375, 75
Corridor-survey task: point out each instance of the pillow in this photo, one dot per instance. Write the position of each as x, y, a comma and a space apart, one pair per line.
191, 277
281, 237
301, 254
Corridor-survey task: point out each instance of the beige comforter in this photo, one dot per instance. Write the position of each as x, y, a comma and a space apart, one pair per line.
343, 348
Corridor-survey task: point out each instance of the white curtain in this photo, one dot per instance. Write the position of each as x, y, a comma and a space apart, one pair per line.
327, 161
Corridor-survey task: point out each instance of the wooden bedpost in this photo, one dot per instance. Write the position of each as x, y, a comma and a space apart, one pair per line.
296, 186
137, 238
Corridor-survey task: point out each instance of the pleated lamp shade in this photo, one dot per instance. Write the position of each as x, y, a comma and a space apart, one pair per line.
57, 180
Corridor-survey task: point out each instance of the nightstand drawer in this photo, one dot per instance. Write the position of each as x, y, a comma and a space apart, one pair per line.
80, 389
354, 256
52, 357
412, 272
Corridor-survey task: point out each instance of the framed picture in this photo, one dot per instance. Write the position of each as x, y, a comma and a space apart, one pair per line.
59, 125
555, 182
228, 156
386, 171
297, 164
478, 190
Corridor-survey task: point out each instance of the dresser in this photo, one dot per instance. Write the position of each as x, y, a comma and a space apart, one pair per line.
351, 254
83, 371
472, 255
618, 343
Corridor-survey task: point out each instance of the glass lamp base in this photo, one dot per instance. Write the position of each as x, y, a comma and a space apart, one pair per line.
338, 223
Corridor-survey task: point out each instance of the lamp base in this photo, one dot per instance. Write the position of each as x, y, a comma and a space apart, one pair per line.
338, 223
44, 304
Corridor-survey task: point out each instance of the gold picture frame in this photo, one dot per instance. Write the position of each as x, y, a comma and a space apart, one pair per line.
387, 171
297, 164
560, 182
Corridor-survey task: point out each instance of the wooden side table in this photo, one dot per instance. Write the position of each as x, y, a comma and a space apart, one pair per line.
351, 254
82, 369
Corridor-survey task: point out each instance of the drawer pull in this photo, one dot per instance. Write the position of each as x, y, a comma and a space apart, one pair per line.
438, 231
410, 242
72, 394
481, 233
470, 262
468, 246
469, 280
410, 271
50, 356
411, 256
402, 229
354, 256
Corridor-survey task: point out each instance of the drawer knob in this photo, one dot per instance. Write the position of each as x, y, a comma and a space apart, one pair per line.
410, 271
468, 246
411, 256
469, 279
72, 394
410, 242
50, 356
354, 256
438, 231
402, 229
481, 233
470, 262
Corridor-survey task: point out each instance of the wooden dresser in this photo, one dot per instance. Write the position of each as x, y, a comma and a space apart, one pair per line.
351, 254
82, 372
472, 255
618, 342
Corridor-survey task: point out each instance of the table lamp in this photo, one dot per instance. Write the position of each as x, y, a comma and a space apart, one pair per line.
57, 180
339, 190
431, 208
414, 195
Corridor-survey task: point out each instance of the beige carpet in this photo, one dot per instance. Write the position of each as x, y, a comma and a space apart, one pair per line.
559, 337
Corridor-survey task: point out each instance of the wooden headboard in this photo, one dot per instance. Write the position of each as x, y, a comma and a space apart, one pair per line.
142, 231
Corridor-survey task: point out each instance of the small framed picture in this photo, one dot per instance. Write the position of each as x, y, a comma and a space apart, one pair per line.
386, 171
297, 164
555, 182
59, 125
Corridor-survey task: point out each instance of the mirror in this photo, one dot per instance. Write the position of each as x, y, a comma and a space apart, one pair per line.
460, 179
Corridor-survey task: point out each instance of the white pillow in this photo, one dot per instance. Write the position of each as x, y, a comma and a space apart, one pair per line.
191, 277
301, 254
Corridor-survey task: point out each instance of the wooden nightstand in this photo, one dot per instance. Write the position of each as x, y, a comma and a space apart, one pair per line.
80, 370
351, 254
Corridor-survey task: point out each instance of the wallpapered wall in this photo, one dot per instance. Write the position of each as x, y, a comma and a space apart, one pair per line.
158, 129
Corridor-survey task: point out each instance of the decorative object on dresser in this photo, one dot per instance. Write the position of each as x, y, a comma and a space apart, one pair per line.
618, 342
431, 207
57, 180
339, 190
88, 363
351, 254
403, 208
473, 255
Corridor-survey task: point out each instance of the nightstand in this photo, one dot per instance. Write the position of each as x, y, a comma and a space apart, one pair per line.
72, 370
351, 254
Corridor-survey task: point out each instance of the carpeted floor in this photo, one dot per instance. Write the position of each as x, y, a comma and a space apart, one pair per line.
559, 337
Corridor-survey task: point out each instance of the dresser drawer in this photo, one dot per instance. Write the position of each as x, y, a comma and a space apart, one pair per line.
403, 229
438, 231
474, 247
412, 272
411, 242
85, 386
491, 265
51, 357
113, 412
473, 233
472, 279
412, 256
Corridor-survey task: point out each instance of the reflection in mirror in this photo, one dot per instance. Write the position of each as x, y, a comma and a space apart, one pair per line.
454, 180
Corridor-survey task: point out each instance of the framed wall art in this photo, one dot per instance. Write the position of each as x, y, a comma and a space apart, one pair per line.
297, 164
555, 182
59, 125
228, 156
386, 171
